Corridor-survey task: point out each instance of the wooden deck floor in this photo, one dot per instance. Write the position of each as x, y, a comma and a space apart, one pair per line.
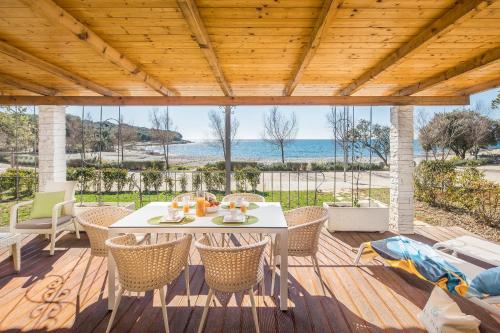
371, 298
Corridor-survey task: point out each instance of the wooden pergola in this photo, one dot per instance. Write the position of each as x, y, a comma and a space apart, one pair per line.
228, 52
248, 52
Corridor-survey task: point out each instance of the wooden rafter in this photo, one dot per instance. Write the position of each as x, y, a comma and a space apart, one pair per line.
463, 10
482, 60
193, 18
238, 100
62, 73
54, 13
328, 13
26, 85
492, 84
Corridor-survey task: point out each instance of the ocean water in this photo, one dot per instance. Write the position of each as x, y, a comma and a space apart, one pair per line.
262, 150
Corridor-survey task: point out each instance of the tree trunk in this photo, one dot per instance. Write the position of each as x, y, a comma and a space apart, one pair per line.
227, 148
282, 153
12, 158
345, 165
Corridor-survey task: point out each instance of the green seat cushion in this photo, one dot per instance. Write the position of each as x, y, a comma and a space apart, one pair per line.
44, 202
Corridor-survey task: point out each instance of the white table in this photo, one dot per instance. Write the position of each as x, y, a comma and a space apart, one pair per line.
270, 220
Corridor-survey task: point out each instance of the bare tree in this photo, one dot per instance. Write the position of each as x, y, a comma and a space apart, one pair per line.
162, 131
127, 134
279, 130
341, 126
218, 128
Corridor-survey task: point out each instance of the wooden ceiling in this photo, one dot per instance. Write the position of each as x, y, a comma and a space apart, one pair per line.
248, 47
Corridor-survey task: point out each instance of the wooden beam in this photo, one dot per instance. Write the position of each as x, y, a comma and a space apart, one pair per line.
193, 18
238, 100
495, 83
31, 60
482, 60
54, 13
463, 10
26, 85
328, 13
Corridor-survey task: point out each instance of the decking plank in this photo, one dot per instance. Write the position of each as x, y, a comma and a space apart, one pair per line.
370, 298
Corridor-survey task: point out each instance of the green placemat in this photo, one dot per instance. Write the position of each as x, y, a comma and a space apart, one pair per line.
156, 220
219, 220
252, 205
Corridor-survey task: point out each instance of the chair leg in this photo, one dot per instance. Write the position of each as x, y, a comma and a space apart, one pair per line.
77, 229
115, 309
85, 273
205, 310
273, 274
223, 239
16, 256
164, 308
254, 310
52, 243
186, 279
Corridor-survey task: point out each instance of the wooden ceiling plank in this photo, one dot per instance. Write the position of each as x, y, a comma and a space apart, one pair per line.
328, 13
62, 73
472, 64
195, 22
463, 10
26, 85
236, 100
54, 13
495, 83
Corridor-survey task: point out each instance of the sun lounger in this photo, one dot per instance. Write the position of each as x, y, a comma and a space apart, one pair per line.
468, 269
473, 247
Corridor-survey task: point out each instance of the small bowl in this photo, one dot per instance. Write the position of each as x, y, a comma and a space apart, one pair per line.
212, 209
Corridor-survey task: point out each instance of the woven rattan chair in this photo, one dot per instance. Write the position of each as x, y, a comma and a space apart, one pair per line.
250, 197
95, 222
231, 270
192, 196
14, 242
148, 267
304, 228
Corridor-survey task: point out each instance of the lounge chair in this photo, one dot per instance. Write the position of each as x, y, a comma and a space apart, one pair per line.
466, 269
473, 247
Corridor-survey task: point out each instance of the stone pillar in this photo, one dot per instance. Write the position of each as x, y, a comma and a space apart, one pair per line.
401, 213
51, 144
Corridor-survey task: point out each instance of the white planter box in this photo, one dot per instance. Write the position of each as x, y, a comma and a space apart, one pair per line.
369, 217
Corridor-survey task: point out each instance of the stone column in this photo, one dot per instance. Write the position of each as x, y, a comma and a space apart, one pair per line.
401, 213
51, 144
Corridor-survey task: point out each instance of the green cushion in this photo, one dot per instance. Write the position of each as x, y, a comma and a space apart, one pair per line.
44, 202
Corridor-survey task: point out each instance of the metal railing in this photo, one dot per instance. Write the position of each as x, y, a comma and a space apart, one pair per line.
291, 188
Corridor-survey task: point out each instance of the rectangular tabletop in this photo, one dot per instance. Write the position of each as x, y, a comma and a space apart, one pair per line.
270, 219
269, 214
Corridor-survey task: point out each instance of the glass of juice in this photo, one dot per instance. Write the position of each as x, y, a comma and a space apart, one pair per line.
244, 207
232, 205
185, 208
175, 204
200, 205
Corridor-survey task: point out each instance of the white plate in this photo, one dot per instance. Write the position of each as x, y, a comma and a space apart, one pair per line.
212, 209
238, 218
167, 219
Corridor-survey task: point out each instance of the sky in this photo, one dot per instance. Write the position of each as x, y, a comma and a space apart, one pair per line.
192, 121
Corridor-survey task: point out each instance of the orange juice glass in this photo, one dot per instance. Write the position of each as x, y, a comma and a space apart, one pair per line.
200, 206
185, 208
232, 205
175, 204
244, 207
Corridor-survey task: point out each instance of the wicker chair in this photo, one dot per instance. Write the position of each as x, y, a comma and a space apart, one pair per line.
148, 267
192, 196
250, 197
95, 222
14, 242
304, 228
230, 270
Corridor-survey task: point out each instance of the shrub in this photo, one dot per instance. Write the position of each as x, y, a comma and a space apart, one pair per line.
84, 176
169, 181
196, 181
23, 179
247, 177
434, 179
152, 180
114, 176
183, 182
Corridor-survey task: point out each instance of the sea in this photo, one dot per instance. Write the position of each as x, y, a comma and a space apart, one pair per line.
260, 150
